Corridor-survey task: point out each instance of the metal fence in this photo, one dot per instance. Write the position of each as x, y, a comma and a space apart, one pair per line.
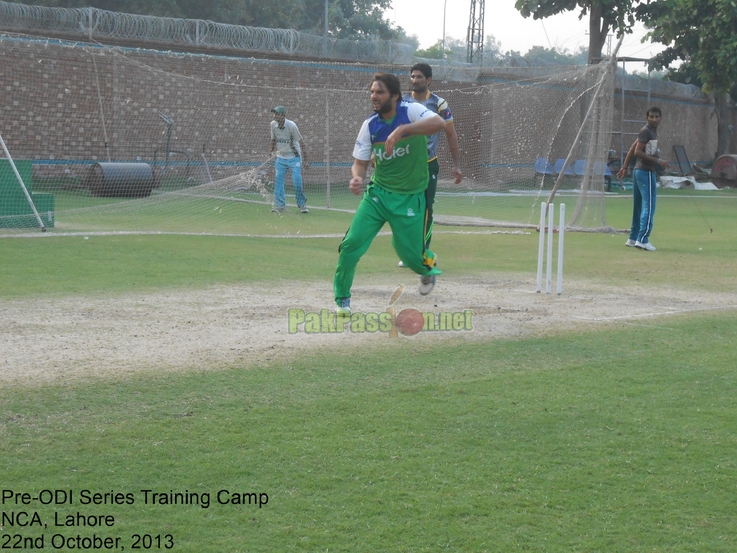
93, 24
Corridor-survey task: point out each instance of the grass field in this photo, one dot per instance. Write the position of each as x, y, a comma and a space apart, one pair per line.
610, 437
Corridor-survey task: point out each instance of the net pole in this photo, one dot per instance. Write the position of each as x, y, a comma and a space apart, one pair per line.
23, 186
102, 112
549, 273
207, 166
327, 144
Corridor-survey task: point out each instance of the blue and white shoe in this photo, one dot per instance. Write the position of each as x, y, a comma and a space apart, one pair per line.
344, 307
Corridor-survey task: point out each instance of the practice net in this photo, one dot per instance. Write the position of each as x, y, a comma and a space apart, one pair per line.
109, 139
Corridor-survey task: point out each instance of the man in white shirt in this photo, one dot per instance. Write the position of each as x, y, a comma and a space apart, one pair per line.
290, 151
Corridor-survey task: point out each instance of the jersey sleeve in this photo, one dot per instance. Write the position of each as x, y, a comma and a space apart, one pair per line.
416, 111
644, 135
362, 148
444, 110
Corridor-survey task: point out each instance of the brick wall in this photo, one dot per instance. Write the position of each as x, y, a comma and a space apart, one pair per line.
59, 102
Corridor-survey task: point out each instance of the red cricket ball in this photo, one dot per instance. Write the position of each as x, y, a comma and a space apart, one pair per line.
410, 321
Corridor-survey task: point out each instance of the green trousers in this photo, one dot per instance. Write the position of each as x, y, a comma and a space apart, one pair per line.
405, 214
433, 167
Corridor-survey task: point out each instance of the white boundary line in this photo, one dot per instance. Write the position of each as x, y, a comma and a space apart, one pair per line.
61, 234
643, 315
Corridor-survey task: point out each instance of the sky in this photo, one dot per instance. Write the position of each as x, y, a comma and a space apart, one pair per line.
504, 22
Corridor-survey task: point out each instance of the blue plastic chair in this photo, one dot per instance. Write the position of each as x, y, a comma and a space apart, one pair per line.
559, 166
579, 167
543, 167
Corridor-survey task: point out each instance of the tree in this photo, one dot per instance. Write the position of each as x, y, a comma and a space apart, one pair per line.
604, 16
702, 34
540, 56
434, 52
404, 38
456, 49
360, 19
492, 51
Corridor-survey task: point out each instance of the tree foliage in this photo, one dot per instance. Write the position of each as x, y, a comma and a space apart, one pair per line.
703, 34
357, 19
537, 56
434, 52
700, 32
540, 56
455, 51
604, 16
360, 19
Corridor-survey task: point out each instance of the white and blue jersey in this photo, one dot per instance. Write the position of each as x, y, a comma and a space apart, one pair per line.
405, 171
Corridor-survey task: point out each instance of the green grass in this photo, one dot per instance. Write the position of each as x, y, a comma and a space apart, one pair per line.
574, 443
619, 439
234, 211
688, 254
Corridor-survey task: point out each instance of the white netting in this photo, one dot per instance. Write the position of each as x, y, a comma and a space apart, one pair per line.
114, 139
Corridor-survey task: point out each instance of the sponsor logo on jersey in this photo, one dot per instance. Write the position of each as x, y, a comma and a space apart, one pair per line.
398, 152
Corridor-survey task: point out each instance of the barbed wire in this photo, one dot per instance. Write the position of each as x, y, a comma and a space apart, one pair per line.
100, 25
